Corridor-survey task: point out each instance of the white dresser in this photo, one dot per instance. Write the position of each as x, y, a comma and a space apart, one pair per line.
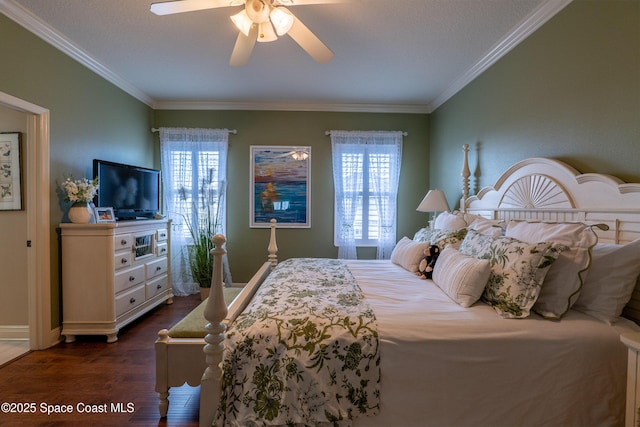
112, 273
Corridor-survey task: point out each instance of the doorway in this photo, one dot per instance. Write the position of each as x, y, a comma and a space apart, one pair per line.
30, 321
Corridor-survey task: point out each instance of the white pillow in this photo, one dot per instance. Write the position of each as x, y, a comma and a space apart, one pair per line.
612, 277
491, 227
562, 284
408, 254
449, 222
461, 277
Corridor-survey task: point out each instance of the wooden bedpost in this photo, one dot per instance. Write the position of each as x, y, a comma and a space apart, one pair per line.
215, 312
273, 247
466, 173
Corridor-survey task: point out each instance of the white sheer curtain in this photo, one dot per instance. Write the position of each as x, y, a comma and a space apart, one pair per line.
366, 171
194, 173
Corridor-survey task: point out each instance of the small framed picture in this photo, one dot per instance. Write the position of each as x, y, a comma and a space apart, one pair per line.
104, 215
10, 174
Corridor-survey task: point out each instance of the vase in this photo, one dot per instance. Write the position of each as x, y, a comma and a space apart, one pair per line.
80, 213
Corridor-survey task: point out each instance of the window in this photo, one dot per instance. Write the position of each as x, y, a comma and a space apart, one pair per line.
194, 172
197, 190
368, 197
366, 169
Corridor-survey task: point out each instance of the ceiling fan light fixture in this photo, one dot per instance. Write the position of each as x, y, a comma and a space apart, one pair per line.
243, 22
258, 10
282, 20
266, 33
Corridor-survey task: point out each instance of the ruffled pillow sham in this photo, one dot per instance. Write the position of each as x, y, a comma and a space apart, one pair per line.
613, 275
566, 277
517, 271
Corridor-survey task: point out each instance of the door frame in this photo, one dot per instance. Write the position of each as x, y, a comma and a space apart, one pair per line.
36, 171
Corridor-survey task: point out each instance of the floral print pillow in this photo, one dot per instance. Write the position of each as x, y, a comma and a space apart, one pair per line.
444, 238
423, 235
517, 271
441, 238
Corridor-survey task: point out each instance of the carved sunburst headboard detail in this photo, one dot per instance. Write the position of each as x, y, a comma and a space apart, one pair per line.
536, 192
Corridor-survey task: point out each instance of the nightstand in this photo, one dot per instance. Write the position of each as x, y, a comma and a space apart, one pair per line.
632, 341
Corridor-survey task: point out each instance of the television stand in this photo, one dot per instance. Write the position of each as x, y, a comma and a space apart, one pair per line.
113, 273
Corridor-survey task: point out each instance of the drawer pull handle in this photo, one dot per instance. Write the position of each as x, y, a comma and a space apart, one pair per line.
123, 242
132, 300
159, 287
132, 278
123, 261
158, 268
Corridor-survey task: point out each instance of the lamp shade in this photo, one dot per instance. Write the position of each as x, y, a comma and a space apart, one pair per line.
434, 201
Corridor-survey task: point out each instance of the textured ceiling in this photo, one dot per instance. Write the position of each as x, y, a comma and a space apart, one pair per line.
400, 55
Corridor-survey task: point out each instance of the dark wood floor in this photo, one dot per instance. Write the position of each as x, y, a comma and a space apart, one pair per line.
92, 372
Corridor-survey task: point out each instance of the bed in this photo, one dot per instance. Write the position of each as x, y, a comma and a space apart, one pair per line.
179, 350
446, 360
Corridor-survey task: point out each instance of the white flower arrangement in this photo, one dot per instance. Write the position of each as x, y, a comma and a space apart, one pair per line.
80, 190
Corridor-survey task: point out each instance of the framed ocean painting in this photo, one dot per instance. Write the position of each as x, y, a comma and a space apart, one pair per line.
280, 186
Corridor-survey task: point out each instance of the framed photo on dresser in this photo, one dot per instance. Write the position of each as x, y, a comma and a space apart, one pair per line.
104, 215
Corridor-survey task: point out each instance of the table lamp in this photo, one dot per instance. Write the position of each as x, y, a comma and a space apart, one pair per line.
435, 202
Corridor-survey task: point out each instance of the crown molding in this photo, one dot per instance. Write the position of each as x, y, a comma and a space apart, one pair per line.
292, 106
40, 28
524, 29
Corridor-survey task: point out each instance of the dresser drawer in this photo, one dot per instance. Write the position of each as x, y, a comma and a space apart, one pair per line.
122, 241
122, 260
129, 300
126, 279
162, 249
157, 286
162, 235
156, 268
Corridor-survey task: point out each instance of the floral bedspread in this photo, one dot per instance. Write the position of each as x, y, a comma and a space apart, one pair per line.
304, 352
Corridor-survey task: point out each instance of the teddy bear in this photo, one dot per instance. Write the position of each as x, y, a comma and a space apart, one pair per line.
428, 262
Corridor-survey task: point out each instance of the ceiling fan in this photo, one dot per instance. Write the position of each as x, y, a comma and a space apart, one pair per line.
260, 20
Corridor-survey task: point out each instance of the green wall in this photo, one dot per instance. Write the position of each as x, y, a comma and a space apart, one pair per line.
570, 91
247, 246
89, 118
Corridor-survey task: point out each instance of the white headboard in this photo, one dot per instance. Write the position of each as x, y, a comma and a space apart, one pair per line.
549, 190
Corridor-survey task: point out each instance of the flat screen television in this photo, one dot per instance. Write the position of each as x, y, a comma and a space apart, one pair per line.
132, 191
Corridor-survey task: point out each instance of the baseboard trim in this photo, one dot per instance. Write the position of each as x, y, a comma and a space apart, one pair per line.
14, 332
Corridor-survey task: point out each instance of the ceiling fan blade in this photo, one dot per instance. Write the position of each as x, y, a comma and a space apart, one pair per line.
243, 48
179, 6
309, 42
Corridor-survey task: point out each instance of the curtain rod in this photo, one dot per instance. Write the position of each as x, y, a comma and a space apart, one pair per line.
233, 131
328, 132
